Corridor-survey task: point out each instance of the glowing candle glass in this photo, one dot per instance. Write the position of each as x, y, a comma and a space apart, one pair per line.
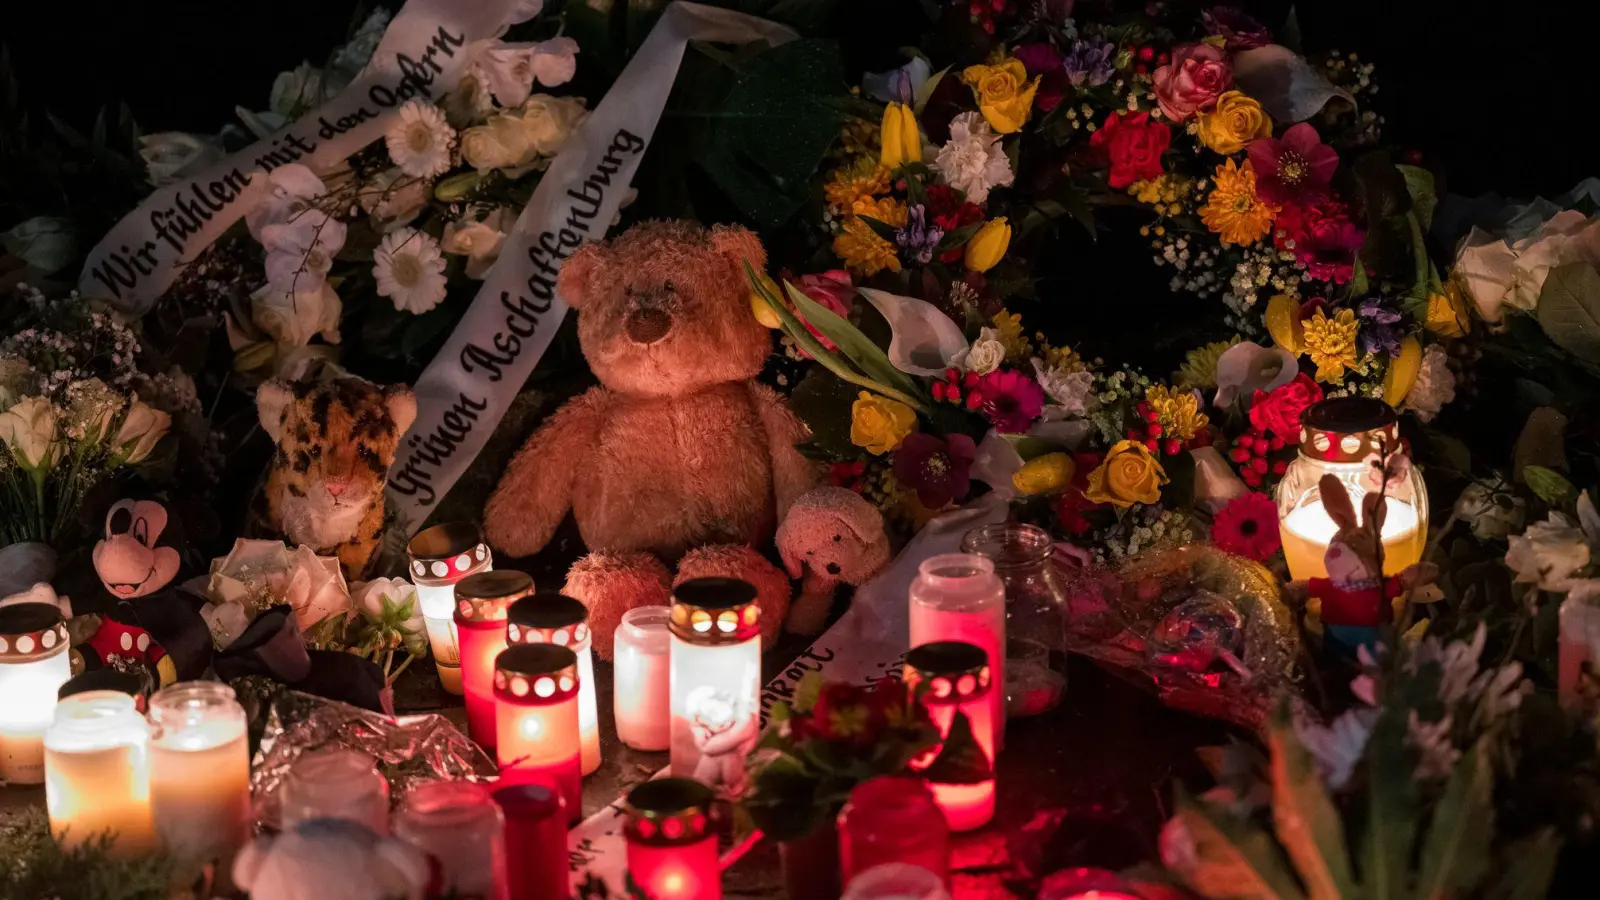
536, 689
1578, 659
1086, 884
1035, 664
199, 772
896, 881
1341, 437
716, 680
481, 603
536, 840
441, 556
458, 824
892, 819
958, 597
642, 679
672, 851
951, 677
34, 664
561, 620
97, 772
335, 783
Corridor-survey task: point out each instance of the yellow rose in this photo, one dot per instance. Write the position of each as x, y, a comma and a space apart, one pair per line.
899, 137
879, 424
1004, 93
503, 142
988, 245
1447, 312
1128, 475
1233, 123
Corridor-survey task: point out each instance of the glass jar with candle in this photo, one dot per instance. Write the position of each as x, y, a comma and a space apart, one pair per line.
34, 664
1344, 437
716, 680
1035, 674
439, 557
97, 773
199, 772
335, 783
892, 819
536, 688
536, 840
958, 597
561, 620
480, 619
953, 679
896, 881
460, 826
672, 850
641, 679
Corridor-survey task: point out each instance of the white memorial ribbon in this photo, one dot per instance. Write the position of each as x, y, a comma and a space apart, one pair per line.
468, 387
421, 55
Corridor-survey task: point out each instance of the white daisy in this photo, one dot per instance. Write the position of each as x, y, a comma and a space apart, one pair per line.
409, 270
420, 142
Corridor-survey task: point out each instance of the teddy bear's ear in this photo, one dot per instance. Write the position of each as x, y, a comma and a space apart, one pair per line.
580, 274
402, 406
272, 398
739, 245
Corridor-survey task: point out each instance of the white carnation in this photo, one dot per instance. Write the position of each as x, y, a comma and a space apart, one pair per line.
973, 161
1435, 385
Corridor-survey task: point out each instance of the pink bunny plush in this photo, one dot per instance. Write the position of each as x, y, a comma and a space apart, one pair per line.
830, 536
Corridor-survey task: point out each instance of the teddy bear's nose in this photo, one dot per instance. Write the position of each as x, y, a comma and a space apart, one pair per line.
648, 325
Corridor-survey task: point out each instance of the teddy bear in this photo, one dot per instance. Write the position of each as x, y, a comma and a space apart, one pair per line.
331, 858
831, 536
679, 455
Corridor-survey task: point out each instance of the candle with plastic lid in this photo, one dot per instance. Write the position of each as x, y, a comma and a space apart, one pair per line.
480, 620
536, 688
547, 618
672, 850
439, 557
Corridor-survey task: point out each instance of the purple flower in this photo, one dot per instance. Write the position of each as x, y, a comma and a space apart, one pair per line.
919, 238
1378, 332
1011, 400
1089, 62
1234, 25
936, 468
1293, 169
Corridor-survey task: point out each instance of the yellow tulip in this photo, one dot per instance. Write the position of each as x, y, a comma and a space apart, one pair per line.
902, 142
1447, 312
986, 248
1402, 372
1046, 474
1283, 323
763, 311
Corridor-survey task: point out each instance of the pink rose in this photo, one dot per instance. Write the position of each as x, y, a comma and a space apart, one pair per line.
1197, 75
833, 290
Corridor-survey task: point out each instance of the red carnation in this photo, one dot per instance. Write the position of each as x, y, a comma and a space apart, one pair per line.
1133, 143
949, 210
1325, 240
1279, 411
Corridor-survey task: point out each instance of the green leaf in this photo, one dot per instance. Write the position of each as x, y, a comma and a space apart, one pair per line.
1548, 484
1383, 186
1529, 865
1233, 860
806, 691
961, 760
860, 349
1358, 278
1569, 310
1303, 817
1424, 196
1455, 854
879, 227
823, 402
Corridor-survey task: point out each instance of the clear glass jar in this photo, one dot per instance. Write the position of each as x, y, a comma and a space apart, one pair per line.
461, 827
97, 773
1035, 674
335, 783
1345, 437
199, 771
642, 678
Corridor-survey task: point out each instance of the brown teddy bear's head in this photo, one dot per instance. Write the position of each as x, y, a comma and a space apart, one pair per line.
663, 309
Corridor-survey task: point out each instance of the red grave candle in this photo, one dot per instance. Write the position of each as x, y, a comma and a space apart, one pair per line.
564, 621
672, 851
893, 819
952, 677
480, 617
536, 716
536, 840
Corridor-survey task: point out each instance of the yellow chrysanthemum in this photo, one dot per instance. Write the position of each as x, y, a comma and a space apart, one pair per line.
863, 178
1331, 344
1166, 194
1199, 369
1063, 360
1233, 211
887, 210
858, 137
1178, 412
1009, 325
863, 251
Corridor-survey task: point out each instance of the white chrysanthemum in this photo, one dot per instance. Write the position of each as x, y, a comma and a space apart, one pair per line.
1071, 393
1435, 385
409, 270
420, 142
973, 161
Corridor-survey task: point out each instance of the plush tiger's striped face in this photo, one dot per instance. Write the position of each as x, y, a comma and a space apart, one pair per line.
335, 440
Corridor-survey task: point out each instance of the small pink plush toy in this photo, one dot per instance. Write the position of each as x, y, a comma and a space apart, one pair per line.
831, 536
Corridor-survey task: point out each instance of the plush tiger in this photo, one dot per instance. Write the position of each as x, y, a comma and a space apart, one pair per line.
335, 441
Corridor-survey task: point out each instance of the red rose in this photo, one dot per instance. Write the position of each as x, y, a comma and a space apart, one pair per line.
950, 210
1134, 144
1279, 411
1198, 74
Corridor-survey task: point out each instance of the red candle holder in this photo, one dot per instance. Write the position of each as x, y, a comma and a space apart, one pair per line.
536, 840
480, 617
536, 715
672, 851
547, 618
893, 819
950, 678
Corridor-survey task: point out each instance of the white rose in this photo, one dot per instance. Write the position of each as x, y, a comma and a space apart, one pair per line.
316, 587
394, 198
142, 427
1491, 514
28, 429
478, 241
258, 574
503, 142
293, 319
1548, 553
226, 621
1496, 274
43, 242
171, 155
986, 353
551, 120
405, 626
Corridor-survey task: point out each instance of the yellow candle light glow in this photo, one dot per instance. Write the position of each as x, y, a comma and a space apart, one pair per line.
536, 689
563, 621
200, 772
34, 664
97, 772
439, 557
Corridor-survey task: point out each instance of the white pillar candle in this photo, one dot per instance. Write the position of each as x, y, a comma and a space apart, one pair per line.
200, 772
549, 618
716, 681
642, 679
34, 664
97, 772
439, 557
958, 597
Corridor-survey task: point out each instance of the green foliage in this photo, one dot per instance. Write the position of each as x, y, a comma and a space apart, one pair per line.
1304, 819
1455, 855
1569, 310
36, 866
1424, 196
1549, 484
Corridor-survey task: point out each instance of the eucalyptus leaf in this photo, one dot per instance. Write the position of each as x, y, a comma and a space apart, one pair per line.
1569, 310
1304, 818
1231, 859
1455, 853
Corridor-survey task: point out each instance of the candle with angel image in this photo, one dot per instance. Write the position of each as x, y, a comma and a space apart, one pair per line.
716, 680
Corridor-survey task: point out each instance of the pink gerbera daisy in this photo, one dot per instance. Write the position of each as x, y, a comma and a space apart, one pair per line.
1011, 400
1248, 526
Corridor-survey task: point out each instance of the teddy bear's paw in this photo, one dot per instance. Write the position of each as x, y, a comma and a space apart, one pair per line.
741, 562
610, 584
